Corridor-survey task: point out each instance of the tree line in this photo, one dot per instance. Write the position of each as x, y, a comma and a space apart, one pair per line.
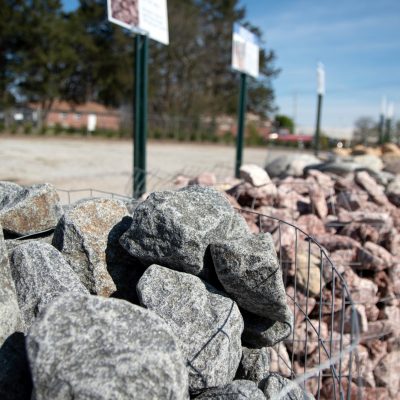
47, 53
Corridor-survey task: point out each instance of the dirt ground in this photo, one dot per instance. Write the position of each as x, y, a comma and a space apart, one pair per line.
106, 164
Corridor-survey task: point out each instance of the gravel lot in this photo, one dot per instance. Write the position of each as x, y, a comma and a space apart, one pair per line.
106, 164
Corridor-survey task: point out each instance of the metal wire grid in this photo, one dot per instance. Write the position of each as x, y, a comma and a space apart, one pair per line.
323, 346
329, 357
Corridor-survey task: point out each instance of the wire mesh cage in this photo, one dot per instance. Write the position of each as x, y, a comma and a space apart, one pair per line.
321, 353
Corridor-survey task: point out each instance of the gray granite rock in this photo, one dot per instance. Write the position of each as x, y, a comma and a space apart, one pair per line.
276, 386
11, 244
207, 323
249, 271
10, 315
175, 228
237, 390
88, 237
338, 167
254, 365
88, 347
260, 332
15, 375
8, 190
291, 165
41, 273
31, 210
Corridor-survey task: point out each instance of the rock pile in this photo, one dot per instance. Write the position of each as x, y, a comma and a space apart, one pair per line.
353, 213
177, 301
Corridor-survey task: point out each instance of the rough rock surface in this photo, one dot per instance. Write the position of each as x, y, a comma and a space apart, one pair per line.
387, 372
254, 365
275, 384
393, 191
374, 190
260, 332
31, 210
41, 273
237, 390
249, 271
207, 324
89, 347
8, 190
88, 237
292, 164
174, 229
254, 174
10, 315
15, 375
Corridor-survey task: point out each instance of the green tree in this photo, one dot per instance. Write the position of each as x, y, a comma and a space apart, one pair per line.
285, 122
366, 129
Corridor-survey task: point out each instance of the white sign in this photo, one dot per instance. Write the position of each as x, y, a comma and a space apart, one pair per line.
141, 16
245, 51
91, 122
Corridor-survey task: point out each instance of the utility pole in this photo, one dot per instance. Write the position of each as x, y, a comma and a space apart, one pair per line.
320, 94
389, 117
382, 120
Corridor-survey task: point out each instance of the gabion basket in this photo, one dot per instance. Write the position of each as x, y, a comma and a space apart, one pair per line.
321, 353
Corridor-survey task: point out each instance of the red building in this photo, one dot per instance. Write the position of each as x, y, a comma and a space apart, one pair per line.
70, 115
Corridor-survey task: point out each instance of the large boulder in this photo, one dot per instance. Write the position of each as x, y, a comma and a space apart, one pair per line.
237, 390
207, 323
291, 165
41, 273
87, 347
174, 229
30, 210
10, 315
249, 270
88, 237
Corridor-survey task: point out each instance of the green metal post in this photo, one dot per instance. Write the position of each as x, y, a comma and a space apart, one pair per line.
241, 123
137, 116
143, 120
317, 129
140, 115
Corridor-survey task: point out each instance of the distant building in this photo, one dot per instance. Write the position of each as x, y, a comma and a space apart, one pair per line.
70, 115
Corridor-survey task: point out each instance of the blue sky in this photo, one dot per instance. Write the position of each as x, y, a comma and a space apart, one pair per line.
357, 40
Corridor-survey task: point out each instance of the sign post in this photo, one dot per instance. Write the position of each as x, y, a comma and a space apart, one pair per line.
320, 92
245, 59
147, 19
241, 123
